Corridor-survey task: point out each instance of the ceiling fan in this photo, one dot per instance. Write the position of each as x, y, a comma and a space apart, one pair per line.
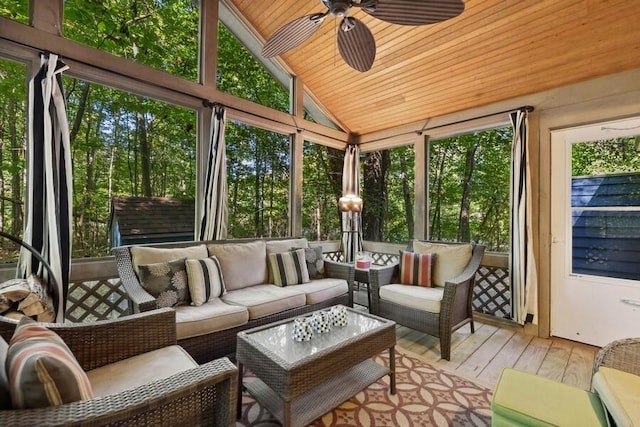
355, 41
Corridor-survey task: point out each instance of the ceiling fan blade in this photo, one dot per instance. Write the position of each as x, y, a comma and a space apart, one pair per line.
415, 12
356, 44
292, 34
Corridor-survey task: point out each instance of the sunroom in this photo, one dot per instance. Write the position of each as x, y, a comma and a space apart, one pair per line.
432, 122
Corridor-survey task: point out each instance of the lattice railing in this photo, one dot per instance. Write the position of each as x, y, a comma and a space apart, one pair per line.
96, 300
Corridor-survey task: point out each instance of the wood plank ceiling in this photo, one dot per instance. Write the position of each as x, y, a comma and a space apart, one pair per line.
495, 50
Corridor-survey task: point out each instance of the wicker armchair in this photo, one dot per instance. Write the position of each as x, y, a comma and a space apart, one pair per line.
623, 355
455, 307
205, 395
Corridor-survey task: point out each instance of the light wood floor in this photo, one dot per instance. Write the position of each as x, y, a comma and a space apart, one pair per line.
485, 353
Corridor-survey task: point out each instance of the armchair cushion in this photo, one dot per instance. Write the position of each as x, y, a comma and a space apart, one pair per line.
140, 370
166, 281
620, 393
42, 370
416, 268
451, 261
288, 268
418, 297
205, 279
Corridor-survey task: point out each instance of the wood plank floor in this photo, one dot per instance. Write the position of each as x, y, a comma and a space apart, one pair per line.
491, 348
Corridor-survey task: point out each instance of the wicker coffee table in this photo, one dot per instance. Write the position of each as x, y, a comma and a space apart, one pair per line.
301, 381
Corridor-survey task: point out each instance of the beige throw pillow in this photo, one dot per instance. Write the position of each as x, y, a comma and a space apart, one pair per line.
450, 262
242, 264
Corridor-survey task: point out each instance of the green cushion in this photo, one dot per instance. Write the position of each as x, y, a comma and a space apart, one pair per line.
526, 399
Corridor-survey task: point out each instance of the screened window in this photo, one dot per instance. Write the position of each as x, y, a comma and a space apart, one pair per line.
160, 34
257, 181
16, 10
469, 188
242, 75
12, 151
123, 145
321, 189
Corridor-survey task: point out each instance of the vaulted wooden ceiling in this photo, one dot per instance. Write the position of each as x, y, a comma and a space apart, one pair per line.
495, 50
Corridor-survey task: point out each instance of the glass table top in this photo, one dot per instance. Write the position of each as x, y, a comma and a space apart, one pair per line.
279, 338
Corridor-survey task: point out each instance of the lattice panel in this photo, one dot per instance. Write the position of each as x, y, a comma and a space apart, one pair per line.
492, 293
96, 300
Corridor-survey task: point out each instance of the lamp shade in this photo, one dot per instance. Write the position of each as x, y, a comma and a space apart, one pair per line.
350, 203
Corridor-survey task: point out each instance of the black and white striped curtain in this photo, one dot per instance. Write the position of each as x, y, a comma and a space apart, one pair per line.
522, 268
351, 224
213, 220
49, 182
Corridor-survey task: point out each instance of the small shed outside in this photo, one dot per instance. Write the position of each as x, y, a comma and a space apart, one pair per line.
136, 220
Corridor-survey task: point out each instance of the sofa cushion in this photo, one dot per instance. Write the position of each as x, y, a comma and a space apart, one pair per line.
288, 268
5, 395
139, 370
205, 279
418, 297
149, 255
620, 393
42, 370
243, 264
212, 316
321, 290
416, 269
451, 261
263, 300
166, 281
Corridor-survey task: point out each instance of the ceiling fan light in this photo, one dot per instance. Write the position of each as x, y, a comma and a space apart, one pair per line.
338, 8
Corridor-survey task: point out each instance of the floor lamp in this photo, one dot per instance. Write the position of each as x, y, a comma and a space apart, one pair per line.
350, 204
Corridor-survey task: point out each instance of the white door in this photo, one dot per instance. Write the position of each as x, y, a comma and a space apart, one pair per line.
595, 226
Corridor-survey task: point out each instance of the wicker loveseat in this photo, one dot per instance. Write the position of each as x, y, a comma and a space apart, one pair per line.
438, 310
208, 331
187, 394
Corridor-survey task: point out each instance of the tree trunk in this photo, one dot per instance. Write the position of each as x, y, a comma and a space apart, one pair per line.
145, 154
376, 171
407, 191
464, 232
16, 182
436, 199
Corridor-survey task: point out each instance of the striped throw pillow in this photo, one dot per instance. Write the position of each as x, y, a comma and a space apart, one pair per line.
42, 370
416, 269
205, 280
289, 268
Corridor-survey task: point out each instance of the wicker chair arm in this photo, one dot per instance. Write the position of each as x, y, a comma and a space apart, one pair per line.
378, 277
140, 298
104, 342
341, 270
202, 395
623, 355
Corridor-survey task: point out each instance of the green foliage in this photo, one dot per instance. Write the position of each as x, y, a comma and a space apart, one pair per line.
16, 10
489, 208
161, 34
608, 156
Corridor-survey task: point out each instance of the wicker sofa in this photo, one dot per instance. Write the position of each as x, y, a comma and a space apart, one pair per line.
209, 331
180, 392
437, 310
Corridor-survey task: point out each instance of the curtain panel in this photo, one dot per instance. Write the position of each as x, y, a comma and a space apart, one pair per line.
351, 224
213, 220
522, 263
48, 203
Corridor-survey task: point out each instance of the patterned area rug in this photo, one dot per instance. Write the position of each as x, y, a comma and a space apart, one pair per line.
425, 396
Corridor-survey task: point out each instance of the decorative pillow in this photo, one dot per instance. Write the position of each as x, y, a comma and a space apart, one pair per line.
42, 370
166, 281
416, 269
315, 262
452, 259
5, 395
150, 255
283, 245
205, 279
288, 268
